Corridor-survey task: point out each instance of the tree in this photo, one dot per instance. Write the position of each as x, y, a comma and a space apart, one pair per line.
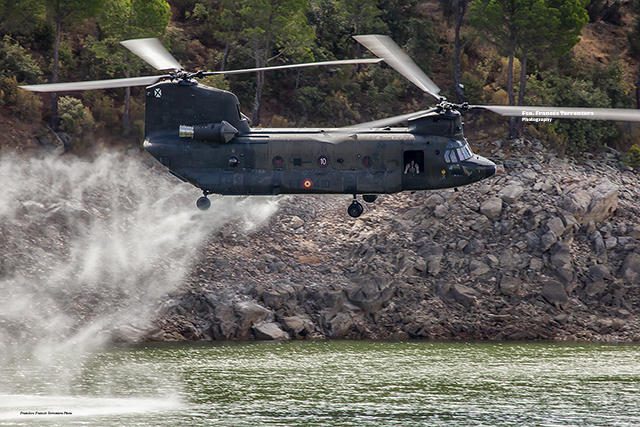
269, 29
497, 19
60, 13
522, 28
362, 15
20, 16
124, 20
634, 48
552, 30
459, 8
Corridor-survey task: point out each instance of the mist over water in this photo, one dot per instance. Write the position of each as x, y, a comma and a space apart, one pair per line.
87, 249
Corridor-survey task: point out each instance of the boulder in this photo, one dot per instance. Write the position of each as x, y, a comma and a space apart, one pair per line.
511, 193
561, 261
298, 325
492, 208
339, 325
630, 270
273, 299
441, 211
473, 247
464, 294
224, 325
604, 202
510, 285
370, 292
269, 331
576, 202
553, 291
547, 240
555, 225
296, 222
434, 200
432, 254
478, 268
249, 313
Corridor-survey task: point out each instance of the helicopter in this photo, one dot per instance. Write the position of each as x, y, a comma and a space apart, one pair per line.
200, 135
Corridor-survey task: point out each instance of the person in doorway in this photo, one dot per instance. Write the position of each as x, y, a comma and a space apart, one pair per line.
412, 167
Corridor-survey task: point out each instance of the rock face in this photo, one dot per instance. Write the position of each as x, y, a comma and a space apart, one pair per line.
550, 249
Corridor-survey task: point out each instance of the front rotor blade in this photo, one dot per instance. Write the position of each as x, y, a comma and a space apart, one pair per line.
307, 64
385, 48
152, 51
624, 115
382, 123
96, 84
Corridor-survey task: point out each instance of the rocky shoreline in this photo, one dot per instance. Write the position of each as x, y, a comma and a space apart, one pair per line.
112, 250
547, 250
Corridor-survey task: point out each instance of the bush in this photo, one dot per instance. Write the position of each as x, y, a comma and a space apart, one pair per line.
217, 81
306, 99
28, 106
632, 158
102, 110
16, 62
8, 90
75, 118
555, 90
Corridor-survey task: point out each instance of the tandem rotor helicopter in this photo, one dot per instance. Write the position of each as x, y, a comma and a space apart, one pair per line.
200, 135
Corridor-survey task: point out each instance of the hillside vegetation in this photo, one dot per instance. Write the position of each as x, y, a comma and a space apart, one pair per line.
43, 41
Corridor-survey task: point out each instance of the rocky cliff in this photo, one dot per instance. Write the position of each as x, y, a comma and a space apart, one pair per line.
548, 249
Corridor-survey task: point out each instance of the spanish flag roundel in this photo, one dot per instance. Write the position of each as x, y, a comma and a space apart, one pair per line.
307, 183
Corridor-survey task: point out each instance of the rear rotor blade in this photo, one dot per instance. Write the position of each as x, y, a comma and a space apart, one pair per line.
382, 123
307, 64
152, 51
96, 84
625, 115
385, 48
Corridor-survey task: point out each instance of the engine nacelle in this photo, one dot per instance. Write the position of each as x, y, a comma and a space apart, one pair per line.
216, 132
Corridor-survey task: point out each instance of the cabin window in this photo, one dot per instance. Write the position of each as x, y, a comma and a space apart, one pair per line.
414, 161
457, 151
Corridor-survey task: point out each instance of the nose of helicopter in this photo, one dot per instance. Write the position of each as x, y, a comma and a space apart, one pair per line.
487, 168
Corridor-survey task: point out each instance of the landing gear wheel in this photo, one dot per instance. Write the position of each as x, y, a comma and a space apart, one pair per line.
203, 203
369, 198
355, 209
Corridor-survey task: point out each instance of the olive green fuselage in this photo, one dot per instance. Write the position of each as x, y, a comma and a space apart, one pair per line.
199, 134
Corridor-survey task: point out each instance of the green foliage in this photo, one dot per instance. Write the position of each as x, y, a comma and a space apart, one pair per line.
338, 110
128, 19
17, 61
102, 109
422, 44
137, 115
363, 16
75, 118
306, 100
529, 28
218, 81
125, 19
20, 17
28, 106
8, 90
68, 11
603, 91
632, 157
634, 39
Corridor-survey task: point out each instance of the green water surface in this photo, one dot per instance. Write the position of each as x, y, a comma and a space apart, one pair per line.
327, 383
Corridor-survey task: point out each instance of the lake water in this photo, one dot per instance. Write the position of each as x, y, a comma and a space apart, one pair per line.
325, 383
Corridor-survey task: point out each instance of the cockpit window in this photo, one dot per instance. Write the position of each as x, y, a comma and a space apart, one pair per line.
457, 151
